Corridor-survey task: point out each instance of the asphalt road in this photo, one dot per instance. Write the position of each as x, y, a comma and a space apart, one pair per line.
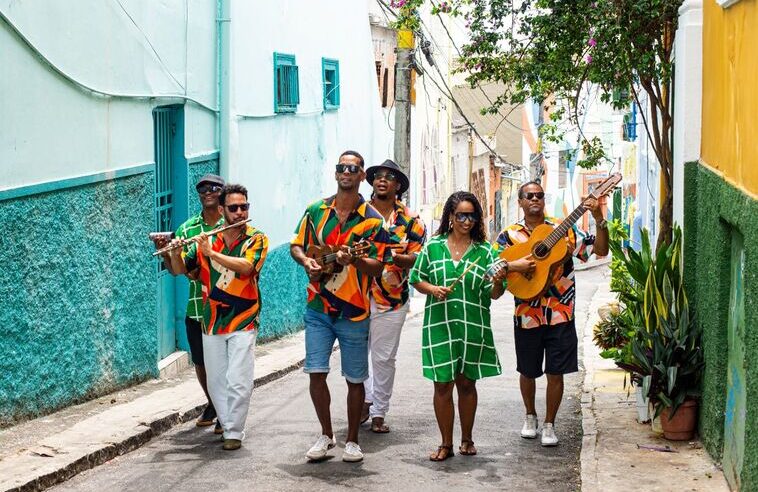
282, 425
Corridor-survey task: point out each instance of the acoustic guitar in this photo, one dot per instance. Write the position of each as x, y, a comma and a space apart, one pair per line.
548, 247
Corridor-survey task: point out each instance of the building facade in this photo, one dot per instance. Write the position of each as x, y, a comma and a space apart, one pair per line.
111, 112
720, 215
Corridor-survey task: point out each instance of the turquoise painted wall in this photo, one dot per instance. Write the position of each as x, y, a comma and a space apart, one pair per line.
79, 289
713, 208
283, 294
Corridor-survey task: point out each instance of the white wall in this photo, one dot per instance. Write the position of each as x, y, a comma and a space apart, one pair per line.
287, 161
688, 80
52, 130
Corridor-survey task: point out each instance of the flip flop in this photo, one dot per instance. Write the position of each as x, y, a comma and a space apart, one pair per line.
379, 429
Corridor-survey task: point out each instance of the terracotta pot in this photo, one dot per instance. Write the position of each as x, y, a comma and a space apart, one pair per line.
682, 426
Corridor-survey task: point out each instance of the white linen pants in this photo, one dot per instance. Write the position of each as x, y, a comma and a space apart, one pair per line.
383, 340
229, 365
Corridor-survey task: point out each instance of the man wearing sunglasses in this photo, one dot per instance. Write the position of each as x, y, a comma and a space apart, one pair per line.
228, 265
389, 292
544, 328
338, 304
208, 191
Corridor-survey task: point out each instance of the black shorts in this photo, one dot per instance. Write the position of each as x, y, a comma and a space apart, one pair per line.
557, 345
195, 339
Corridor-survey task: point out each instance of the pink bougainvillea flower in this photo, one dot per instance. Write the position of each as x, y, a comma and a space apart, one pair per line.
398, 3
588, 59
592, 42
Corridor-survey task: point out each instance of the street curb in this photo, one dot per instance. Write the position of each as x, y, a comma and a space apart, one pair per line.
153, 429
587, 457
592, 264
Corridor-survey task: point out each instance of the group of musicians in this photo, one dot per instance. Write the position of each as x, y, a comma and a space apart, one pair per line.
359, 297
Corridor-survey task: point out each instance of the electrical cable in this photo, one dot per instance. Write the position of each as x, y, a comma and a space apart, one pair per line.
91, 90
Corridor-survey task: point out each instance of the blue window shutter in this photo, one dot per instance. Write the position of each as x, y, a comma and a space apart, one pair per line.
330, 73
286, 84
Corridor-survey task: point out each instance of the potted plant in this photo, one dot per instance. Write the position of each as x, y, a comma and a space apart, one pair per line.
667, 353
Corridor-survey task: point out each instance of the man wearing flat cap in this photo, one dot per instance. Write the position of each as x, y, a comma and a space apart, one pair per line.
208, 191
389, 292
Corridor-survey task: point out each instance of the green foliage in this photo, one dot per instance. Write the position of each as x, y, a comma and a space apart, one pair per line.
666, 350
558, 52
610, 332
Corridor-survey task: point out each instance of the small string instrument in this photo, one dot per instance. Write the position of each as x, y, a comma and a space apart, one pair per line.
326, 255
548, 247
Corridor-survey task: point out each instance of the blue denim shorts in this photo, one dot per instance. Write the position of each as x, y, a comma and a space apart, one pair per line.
321, 330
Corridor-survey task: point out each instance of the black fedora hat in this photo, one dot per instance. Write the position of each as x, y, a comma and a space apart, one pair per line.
389, 164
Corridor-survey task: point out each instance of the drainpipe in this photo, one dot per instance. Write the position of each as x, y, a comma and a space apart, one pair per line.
223, 81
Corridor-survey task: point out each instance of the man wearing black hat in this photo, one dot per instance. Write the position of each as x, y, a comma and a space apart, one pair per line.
389, 292
208, 190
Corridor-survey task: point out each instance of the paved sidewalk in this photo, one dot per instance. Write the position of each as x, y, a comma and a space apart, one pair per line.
610, 457
40, 453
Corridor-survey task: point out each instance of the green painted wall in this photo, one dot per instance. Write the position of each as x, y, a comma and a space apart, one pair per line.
79, 294
713, 208
283, 294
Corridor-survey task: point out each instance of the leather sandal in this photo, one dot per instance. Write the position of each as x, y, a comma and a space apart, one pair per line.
470, 450
448, 453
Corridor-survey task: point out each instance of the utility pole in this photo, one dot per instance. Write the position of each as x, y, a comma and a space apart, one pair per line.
403, 68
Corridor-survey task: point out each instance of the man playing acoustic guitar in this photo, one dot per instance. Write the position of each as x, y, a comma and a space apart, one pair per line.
544, 327
338, 304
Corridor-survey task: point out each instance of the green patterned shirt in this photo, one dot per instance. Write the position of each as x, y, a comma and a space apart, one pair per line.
191, 228
457, 337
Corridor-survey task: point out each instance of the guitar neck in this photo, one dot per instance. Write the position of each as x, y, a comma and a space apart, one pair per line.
564, 226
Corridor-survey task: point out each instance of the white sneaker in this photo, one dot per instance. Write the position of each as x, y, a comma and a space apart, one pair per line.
548, 435
352, 452
529, 430
318, 450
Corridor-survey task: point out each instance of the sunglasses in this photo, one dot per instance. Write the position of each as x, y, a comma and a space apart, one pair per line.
208, 188
351, 168
241, 206
388, 176
462, 217
532, 194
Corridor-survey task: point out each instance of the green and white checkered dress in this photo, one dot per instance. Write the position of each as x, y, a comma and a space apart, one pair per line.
457, 337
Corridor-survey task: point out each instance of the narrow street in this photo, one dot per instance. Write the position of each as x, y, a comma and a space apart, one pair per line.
282, 426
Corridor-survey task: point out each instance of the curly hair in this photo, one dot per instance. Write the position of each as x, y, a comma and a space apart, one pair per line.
231, 189
478, 233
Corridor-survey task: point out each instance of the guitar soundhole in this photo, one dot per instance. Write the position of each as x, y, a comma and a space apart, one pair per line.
541, 250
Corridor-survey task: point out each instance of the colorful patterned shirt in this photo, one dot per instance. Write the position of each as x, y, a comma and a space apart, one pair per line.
557, 304
231, 301
191, 228
345, 294
390, 291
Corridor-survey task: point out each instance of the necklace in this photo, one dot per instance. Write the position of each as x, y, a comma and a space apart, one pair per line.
455, 250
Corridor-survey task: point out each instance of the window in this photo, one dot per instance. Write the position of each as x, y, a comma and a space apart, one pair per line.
286, 84
330, 70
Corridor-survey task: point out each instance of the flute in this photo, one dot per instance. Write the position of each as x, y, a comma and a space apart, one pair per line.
194, 239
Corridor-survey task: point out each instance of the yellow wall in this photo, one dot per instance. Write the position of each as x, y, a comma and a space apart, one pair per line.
730, 92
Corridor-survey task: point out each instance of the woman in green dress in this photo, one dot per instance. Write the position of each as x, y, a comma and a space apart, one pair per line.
457, 343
